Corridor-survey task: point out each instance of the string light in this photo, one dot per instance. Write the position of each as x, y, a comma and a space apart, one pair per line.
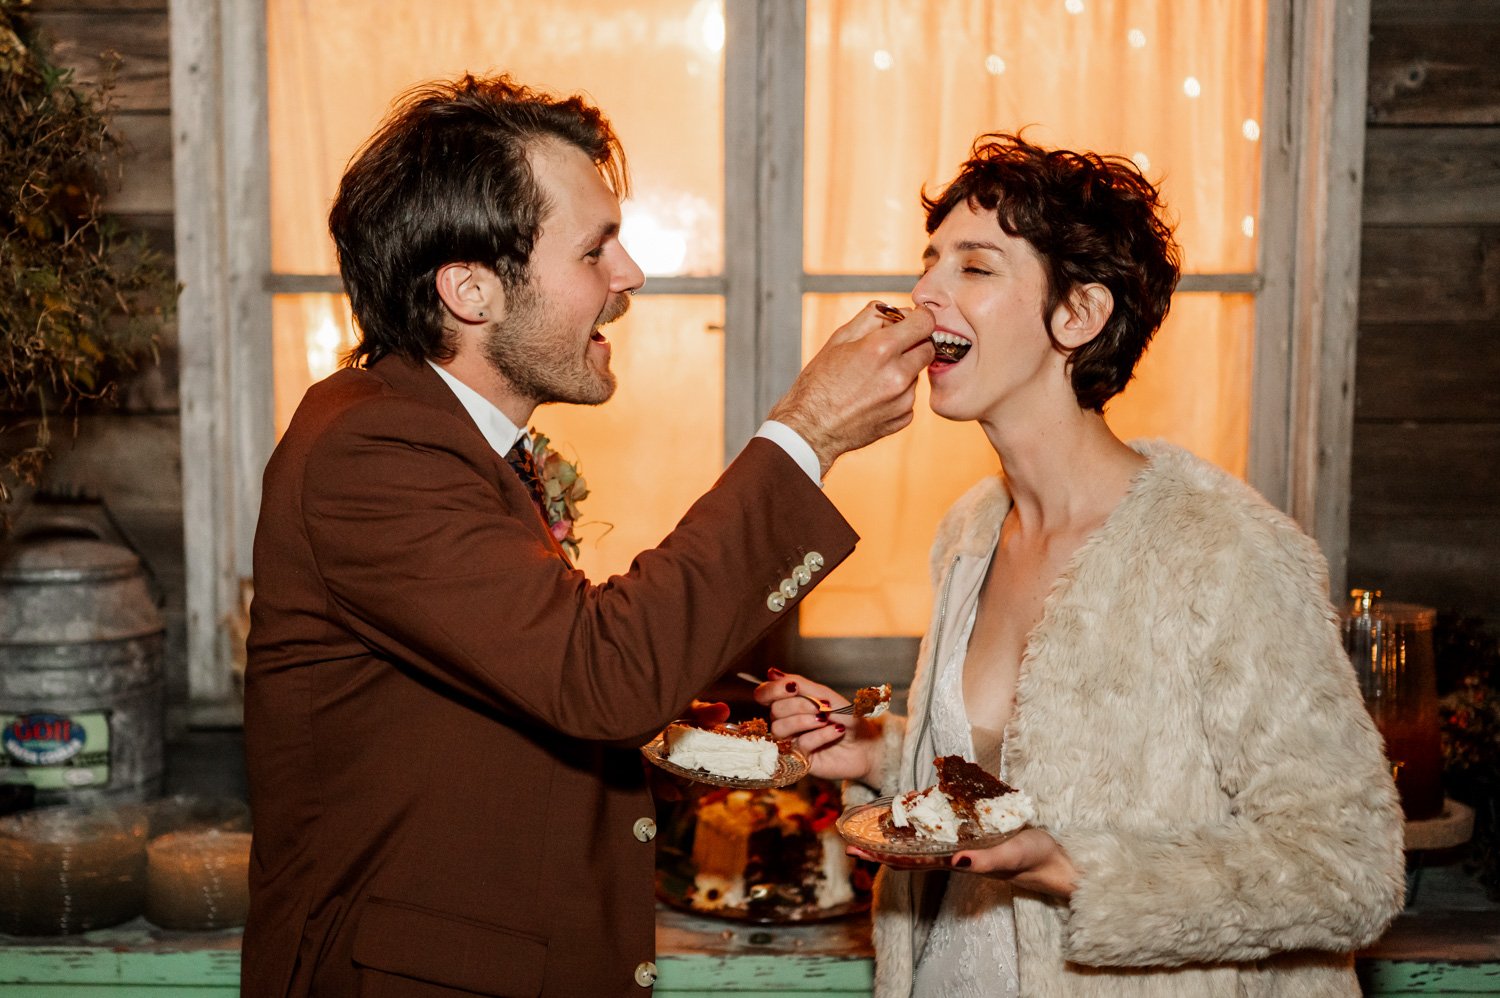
883, 60
710, 18
1250, 129
1192, 87
1247, 226
1136, 37
1073, 6
994, 64
1141, 160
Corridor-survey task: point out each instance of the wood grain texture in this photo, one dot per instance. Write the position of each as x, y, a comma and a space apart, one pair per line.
100, 7
1455, 12
1433, 470
81, 39
1433, 176
1425, 274
1444, 562
1435, 73
1436, 371
143, 184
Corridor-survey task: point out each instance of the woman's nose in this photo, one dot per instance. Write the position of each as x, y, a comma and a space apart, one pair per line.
926, 293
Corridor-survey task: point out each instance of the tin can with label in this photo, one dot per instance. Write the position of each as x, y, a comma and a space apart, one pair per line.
81, 684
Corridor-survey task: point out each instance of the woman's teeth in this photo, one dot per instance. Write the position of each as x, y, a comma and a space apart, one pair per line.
950, 347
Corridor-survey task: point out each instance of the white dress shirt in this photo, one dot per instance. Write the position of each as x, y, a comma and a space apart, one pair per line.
502, 434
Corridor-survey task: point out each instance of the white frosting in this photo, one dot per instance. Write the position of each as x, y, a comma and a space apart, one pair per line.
833, 883
722, 755
929, 812
1005, 813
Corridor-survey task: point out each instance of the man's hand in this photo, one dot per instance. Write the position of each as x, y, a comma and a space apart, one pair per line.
861, 386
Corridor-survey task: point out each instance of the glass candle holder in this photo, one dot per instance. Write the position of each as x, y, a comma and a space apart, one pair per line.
1390, 646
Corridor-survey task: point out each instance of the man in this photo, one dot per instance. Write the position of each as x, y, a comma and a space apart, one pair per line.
442, 717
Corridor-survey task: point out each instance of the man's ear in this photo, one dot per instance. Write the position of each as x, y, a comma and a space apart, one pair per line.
470, 292
1080, 318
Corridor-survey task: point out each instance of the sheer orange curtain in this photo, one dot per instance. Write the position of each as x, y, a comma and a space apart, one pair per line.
896, 92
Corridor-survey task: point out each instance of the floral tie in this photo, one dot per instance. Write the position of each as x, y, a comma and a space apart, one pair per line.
519, 458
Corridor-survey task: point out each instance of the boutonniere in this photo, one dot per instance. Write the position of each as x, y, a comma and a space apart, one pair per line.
565, 489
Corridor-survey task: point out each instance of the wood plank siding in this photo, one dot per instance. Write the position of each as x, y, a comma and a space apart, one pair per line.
1424, 522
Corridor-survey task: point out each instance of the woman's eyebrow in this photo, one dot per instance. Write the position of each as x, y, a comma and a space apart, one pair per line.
966, 246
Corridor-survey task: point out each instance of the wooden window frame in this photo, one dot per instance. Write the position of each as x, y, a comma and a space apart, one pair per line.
1306, 284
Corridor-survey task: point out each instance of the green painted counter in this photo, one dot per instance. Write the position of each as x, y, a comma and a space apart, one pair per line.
1447, 943
696, 957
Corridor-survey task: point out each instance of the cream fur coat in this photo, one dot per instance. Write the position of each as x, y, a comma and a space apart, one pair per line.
1189, 726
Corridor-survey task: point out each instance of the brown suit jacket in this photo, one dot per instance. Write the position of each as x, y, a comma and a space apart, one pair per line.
442, 717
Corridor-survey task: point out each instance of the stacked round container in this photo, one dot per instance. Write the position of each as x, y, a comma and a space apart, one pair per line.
81, 685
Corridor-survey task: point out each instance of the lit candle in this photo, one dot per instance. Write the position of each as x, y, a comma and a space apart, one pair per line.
198, 879
65, 870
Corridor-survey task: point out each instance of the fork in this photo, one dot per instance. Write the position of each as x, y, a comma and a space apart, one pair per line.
822, 705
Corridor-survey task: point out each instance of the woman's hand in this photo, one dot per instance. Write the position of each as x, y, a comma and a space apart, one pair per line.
1031, 859
837, 748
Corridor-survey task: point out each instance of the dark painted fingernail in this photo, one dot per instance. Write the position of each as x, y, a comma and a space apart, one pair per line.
827, 704
822, 716
791, 687
774, 673
963, 862
839, 728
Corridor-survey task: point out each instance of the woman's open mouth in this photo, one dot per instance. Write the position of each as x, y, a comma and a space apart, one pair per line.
950, 347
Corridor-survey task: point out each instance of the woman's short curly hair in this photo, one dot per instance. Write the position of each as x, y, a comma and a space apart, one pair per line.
1093, 220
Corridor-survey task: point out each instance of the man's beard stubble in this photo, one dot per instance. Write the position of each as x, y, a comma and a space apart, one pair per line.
545, 363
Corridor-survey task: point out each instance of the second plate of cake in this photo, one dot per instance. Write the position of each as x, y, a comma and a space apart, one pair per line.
741, 756
967, 809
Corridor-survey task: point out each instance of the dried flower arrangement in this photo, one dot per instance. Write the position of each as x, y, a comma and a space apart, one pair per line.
80, 303
1468, 668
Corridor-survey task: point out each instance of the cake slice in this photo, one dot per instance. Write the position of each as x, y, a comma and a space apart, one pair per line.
872, 701
966, 803
737, 751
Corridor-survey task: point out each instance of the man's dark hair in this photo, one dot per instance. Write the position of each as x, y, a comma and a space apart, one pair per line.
446, 179
1093, 220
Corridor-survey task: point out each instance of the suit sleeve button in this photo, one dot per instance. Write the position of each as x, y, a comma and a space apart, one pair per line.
776, 602
789, 588
813, 561
801, 575
644, 829
645, 973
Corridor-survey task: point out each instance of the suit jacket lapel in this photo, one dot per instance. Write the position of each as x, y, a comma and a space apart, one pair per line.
421, 382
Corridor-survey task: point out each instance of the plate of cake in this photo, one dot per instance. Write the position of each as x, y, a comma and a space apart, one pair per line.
743, 756
968, 808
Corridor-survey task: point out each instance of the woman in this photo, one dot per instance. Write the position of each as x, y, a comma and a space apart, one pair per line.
1127, 633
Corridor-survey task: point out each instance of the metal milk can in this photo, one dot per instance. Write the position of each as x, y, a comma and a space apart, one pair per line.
81, 670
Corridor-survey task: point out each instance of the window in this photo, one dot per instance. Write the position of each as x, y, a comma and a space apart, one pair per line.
776, 150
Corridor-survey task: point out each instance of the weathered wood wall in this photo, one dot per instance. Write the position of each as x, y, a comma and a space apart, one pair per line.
1425, 510
131, 456
1425, 504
